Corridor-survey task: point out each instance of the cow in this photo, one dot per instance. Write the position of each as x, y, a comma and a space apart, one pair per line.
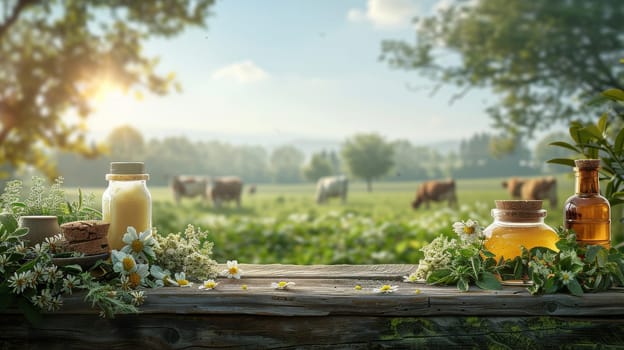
332, 186
189, 186
435, 191
533, 189
225, 189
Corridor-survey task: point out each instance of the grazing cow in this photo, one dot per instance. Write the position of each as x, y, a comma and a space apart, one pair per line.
226, 189
514, 186
189, 186
533, 189
435, 191
332, 186
252, 189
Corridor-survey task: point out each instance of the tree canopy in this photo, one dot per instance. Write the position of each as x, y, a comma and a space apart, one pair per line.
543, 59
368, 156
55, 55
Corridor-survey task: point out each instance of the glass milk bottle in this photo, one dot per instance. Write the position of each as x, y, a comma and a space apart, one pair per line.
518, 223
126, 201
587, 213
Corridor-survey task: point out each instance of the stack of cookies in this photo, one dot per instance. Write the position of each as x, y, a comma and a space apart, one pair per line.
88, 237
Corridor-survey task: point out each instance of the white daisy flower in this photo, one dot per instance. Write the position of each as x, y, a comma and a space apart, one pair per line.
138, 276
138, 297
20, 281
566, 277
141, 245
209, 285
412, 278
282, 285
123, 263
386, 289
180, 280
163, 277
468, 231
232, 271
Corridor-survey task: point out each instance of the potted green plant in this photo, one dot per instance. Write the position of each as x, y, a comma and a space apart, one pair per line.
43, 208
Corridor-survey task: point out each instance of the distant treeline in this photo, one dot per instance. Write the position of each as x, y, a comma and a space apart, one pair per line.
286, 164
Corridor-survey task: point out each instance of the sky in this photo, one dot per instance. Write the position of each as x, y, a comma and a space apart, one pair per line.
274, 71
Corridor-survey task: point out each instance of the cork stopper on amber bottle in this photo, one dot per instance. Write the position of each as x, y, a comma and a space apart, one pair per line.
587, 163
519, 210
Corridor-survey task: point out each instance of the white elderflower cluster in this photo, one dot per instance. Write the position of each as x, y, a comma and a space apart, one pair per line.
436, 256
189, 252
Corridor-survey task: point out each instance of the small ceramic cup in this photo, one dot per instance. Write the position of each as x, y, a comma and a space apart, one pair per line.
39, 227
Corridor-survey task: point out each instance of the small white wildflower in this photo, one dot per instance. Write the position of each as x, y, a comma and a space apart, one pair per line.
140, 246
232, 271
163, 277
209, 285
123, 263
41, 248
180, 279
21, 248
124, 282
282, 285
69, 283
138, 297
468, 231
411, 278
51, 274
137, 277
566, 276
55, 303
20, 281
386, 289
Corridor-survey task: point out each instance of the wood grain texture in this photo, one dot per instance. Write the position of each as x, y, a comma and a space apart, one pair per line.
324, 310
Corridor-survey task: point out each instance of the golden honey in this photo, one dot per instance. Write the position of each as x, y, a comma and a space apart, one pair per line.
518, 223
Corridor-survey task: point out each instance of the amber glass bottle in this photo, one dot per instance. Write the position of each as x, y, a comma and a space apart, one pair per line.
518, 223
586, 212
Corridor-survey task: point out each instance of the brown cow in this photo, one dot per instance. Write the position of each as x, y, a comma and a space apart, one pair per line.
226, 189
533, 189
189, 186
435, 191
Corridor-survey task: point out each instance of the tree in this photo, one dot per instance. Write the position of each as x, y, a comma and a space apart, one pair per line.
55, 57
126, 144
368, 156
320, 165
538, 56
286, 164
544, 151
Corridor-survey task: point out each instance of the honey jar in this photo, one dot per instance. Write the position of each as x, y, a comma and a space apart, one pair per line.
518, 223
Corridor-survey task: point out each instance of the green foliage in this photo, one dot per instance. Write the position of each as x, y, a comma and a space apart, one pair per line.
44, 200
573, 269
286, 162
368, 156
320, 165
594, 142
533, 54
30, 281
56, 55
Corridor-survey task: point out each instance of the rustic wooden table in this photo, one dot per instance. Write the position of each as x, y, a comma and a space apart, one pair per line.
324, 310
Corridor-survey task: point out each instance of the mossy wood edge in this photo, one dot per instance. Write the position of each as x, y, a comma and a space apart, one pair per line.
324, 309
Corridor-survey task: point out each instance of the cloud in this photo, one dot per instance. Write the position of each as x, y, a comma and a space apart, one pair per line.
385, 14
242, 72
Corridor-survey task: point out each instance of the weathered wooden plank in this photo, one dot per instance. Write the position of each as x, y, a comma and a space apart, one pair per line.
324, 310
370, 272
174, 331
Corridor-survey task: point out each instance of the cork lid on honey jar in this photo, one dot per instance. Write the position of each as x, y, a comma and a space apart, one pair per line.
519, 210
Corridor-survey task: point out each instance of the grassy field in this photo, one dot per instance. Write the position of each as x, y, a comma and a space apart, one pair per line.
283, 224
